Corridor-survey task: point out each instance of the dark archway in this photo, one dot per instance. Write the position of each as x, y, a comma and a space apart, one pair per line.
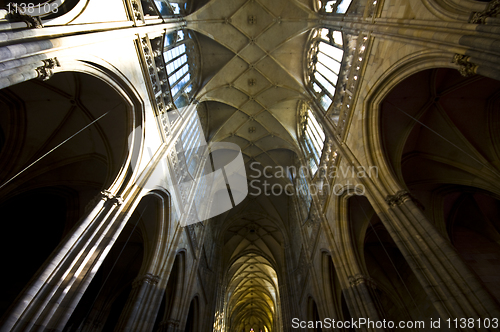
398, 291
52, 165
438, 127
440, 132
172, 297
345, 312
313, 315
30, 235
106, 296
340, 306
192, 323
473, 224
118, 294
333, 289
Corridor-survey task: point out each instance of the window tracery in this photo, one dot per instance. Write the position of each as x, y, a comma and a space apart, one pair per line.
182, 64
334, 6
169, 8
312, 137
324, 61
303, 194
192, 141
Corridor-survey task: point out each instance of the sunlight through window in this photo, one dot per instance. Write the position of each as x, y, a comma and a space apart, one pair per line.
180, 58
325, 59
313, 137
335, 6
171, 8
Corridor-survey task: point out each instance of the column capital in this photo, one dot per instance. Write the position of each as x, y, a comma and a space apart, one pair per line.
107, 195
97, 324
32, 22
398, 198
169, 325
360, 279
492, 10
174, 322
147, 278
45, 71
466, 68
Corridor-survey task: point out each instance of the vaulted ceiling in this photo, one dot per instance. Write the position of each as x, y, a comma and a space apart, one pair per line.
455, 123
252, 69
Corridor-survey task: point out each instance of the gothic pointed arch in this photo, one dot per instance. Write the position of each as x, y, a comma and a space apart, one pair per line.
65, 162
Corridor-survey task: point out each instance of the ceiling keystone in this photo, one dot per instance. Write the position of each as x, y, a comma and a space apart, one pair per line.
252, 19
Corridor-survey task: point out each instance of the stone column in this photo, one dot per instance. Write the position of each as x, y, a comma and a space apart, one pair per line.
220, 319
454, 290
172, 321
22, 70
169, 325
362, 300
285, 300
142, 305
53, 293
469, 66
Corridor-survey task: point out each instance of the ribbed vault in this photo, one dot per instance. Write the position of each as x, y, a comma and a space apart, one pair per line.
455, 121
253, 82
252, 293
253, 253
253, 74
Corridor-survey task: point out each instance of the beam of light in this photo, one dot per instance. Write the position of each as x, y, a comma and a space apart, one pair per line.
53, 149
444, 138
112, 267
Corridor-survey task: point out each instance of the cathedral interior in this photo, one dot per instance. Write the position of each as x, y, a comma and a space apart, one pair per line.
367, 134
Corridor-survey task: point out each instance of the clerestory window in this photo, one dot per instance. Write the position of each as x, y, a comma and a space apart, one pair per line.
324, 61
193, 142
181, 63
304, 194
334, 6
312, 136
169, 8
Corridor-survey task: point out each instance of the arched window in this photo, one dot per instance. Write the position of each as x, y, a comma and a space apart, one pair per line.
334, 6
169, 8
303, 193
181, 62
193, 141
324, 60
312, 136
